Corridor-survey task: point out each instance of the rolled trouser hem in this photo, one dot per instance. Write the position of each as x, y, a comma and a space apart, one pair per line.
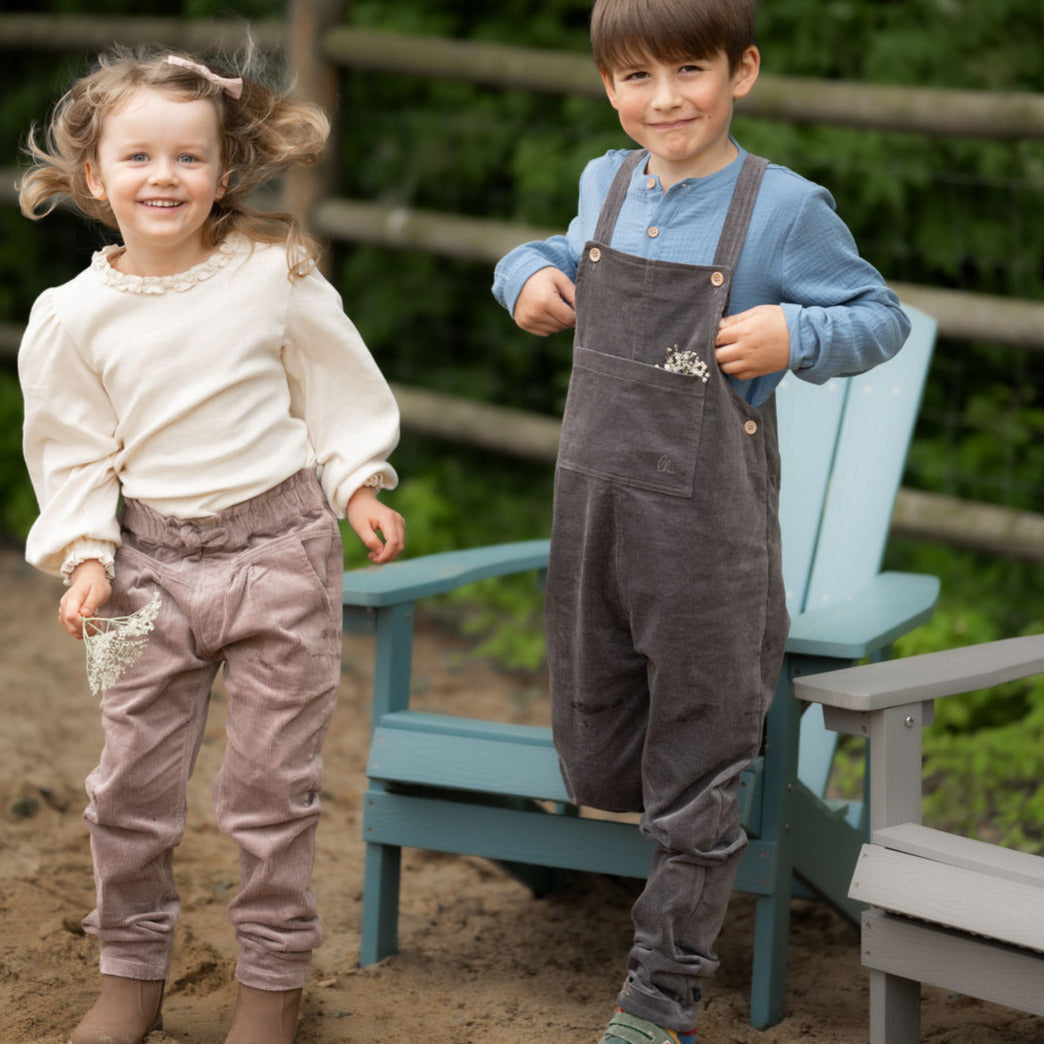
132, 968
273, 974
659, 1010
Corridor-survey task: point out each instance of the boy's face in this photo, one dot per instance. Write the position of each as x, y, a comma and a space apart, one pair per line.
681, 111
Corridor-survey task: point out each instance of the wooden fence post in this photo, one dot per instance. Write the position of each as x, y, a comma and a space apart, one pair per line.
316, 79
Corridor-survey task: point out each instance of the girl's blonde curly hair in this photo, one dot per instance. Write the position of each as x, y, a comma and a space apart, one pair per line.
263, 132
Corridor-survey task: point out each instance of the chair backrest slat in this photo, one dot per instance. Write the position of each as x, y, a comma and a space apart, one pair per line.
809, 425
844, 448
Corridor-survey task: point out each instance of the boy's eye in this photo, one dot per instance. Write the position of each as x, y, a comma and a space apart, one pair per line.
187, 157
636, 74
138, 157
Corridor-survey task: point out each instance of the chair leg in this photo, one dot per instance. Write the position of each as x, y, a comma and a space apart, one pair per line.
772, 927
895, 1009
380, 912
769, 974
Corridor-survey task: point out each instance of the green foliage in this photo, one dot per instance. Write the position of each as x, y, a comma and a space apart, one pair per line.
985, 780
464, 499
952, 43
17, 504
993, 450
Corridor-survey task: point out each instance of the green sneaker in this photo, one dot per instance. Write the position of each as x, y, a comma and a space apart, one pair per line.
629, 1029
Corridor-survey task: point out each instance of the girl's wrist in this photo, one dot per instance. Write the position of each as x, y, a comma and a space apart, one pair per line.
82, 551
361, 492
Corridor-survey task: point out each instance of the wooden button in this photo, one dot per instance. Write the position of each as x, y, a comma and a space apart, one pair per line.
717, 278
751, 427
653, 231
651, 183
595, 254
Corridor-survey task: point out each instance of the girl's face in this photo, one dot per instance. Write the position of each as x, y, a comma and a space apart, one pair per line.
158, 164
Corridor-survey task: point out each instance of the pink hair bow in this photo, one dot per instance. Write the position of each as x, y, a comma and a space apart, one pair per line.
232, 87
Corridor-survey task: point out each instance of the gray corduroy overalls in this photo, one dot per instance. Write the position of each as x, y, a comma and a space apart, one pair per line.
666, 615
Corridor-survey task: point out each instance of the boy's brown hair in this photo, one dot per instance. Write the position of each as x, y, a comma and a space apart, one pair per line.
630, 32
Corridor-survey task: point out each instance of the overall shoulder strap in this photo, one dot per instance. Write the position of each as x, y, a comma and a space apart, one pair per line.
616, 195
738, 218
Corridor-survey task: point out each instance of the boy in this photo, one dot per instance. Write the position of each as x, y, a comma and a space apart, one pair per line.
666, 614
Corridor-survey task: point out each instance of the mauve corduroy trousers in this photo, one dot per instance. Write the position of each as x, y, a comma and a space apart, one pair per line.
255, 589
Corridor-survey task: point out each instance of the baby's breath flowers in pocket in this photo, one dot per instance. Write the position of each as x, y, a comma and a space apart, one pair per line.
685, 362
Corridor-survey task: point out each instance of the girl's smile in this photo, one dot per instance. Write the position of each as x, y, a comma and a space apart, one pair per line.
158, 165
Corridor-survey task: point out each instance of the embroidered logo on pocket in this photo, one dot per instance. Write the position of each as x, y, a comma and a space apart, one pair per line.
664, 466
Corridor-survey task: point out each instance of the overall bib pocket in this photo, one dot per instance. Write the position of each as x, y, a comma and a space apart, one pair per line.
631, 423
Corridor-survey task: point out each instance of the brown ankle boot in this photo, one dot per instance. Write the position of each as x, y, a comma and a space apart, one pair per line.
125, 1013
264, 1016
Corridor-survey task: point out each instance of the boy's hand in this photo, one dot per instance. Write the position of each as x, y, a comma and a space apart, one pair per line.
546, 303
380, 528
88, 591
753, 343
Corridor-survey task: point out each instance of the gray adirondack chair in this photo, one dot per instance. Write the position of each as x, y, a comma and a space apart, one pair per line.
946, 910
485, 788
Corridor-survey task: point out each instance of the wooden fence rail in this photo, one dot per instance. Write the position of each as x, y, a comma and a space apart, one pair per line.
314, 44
932, 111
962, 315
936, 112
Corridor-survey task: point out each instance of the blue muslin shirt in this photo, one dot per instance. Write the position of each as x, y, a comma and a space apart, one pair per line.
798, 253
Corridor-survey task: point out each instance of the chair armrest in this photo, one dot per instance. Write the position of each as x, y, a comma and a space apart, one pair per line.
438, 573
915, 679
889, 606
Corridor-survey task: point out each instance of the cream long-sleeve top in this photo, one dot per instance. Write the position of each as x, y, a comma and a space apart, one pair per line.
191, 393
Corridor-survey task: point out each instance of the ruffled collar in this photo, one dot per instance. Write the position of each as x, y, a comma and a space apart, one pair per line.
101, 263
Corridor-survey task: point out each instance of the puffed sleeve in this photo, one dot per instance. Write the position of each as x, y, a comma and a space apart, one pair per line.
337, 389
70, 446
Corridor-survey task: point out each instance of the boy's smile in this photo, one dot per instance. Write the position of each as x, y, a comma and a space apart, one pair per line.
681, 111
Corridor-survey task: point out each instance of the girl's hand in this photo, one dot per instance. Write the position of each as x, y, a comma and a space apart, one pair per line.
753, 343
546, 303
380, 528
88, 591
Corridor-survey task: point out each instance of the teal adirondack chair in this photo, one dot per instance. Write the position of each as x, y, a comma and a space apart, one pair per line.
494, 790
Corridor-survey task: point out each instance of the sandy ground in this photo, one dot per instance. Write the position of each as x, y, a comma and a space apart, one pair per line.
480, 962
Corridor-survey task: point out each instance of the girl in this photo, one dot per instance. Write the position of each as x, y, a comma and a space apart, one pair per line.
205, 371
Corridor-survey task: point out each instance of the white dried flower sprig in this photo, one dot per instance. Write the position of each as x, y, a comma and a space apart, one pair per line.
687, 363
112, 644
